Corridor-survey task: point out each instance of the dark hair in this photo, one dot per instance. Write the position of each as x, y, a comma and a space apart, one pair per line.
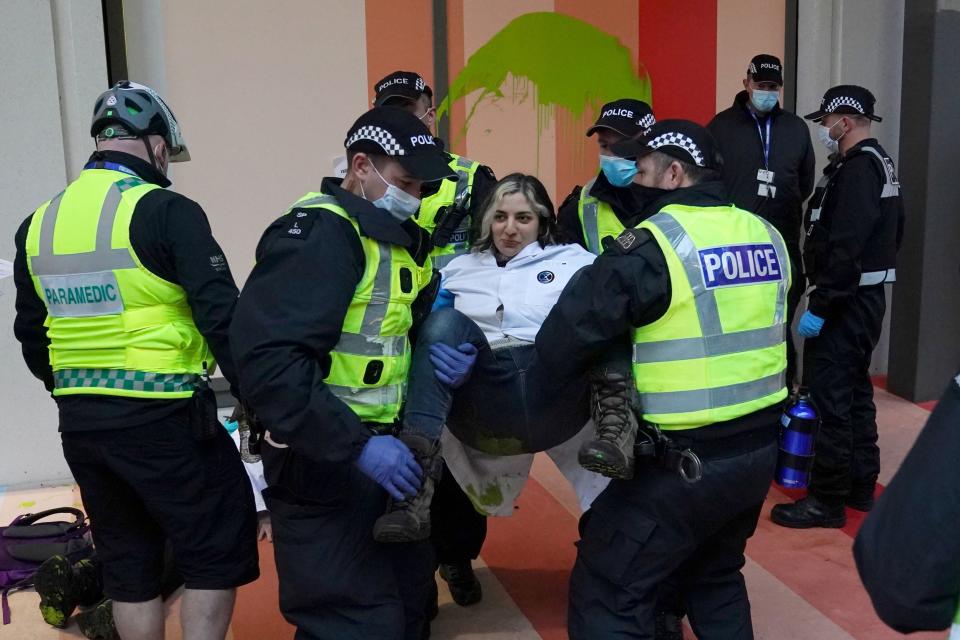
696, 173
535, 193
377, 159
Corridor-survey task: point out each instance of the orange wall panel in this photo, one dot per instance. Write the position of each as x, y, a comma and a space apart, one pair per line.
399, 37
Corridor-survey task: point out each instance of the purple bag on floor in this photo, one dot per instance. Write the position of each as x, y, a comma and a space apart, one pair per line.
27, 543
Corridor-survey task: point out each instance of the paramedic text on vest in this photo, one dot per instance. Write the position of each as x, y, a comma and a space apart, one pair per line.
854, 224
701, 287
611, 201
321, 340
449, 212
124, 301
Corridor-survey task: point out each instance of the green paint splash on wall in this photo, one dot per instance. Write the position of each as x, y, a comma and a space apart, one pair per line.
570, 63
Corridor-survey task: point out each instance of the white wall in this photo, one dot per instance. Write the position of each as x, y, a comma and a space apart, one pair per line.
53, 68
854, 42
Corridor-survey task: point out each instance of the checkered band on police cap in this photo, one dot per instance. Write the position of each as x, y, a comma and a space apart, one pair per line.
382, 137
675, 139
419, 84
842, 101
647, 121
752, 69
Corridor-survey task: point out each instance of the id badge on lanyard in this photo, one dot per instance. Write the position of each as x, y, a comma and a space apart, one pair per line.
765, 186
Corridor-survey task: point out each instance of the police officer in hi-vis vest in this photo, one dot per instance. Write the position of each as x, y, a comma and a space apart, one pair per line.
448, 212
611, 201
124, 302
701, 287
321, 340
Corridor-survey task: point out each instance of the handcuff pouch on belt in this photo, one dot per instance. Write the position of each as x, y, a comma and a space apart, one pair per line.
383, 428
651, 443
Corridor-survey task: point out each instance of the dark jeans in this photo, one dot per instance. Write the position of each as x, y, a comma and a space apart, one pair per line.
336, 582
511, 404
836, 368
458, 530
654, 528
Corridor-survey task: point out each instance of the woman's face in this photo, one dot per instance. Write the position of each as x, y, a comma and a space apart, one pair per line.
514, 226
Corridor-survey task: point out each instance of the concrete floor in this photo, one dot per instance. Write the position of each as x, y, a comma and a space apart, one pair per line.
802, 584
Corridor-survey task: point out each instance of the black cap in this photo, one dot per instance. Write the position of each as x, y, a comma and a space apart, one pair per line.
766, 68
681, 139
400, 84
626, 116
397, 133
846, 99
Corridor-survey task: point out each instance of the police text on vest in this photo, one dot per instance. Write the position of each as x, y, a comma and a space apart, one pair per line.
740, 264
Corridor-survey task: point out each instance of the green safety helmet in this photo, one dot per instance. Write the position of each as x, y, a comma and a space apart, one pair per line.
141, 111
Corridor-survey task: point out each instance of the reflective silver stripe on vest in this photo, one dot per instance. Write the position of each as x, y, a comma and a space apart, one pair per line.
376, 309
316, 201
439, 262
871, 278
591, 220
823, 182
708, 346
701, 399
102, 258
463, 180
376, 346
781, 250
891, 188
368, 396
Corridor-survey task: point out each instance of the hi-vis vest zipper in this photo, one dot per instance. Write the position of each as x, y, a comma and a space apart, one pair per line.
370, 363
115, 328
450, 193
597, 219
719, 351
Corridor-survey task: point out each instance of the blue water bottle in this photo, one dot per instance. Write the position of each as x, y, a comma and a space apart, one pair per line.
798, 433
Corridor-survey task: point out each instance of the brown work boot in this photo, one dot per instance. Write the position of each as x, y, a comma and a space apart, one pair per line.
409, 520
611, 454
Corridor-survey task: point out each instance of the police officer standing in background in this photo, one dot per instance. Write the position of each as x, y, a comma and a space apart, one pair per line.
320, 338
448, 212
768, 165
701, 286
610, 202
854, 227
124, 301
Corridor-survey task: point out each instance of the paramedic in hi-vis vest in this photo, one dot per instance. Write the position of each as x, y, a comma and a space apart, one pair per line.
700, 286
124, 302
321, 340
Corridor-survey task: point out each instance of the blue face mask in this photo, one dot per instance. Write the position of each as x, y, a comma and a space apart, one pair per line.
764, 101
619, 171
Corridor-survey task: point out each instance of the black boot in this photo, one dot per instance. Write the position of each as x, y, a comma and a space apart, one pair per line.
807, 513
668, 626
611, 454
63, 586
96, 622
409, 520
463, 583
860, 498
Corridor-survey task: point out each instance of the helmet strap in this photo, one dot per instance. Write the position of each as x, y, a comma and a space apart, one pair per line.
153, 158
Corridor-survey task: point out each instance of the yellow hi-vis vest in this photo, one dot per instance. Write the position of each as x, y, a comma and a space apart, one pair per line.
719, 351
450, 193
370, 363
597, 219
114, 327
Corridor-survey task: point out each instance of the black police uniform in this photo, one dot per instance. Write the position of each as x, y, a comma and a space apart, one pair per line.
143, 478
854, 226
335, 581
792, 161
655, 528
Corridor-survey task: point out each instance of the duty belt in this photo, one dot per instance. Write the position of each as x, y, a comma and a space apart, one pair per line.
665, 453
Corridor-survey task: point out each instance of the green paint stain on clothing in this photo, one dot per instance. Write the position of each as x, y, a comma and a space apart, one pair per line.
498, 445
555, 60
491, 496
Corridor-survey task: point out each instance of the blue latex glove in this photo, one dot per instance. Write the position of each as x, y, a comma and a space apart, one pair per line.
231, 425
444, 299
810, 325
453, 366
389, 463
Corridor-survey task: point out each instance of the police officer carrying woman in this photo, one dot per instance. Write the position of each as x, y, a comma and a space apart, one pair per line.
320, 336
701, 288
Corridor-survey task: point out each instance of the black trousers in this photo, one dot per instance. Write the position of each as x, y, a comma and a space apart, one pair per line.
457, 530
336, 582
836, 368
654, 528
794, 294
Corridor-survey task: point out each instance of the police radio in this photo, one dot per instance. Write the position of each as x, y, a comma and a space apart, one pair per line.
798, 434
450, 218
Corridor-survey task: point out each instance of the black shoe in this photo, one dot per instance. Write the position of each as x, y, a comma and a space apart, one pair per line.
409, 520
611, 453
96, 622
807, 513
58, 598
860, 499
668, 626
463, 583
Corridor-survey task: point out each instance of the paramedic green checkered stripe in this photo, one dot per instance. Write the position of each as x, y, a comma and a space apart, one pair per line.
126, 380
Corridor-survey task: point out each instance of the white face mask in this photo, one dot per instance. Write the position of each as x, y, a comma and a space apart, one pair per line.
823, 133
398, 202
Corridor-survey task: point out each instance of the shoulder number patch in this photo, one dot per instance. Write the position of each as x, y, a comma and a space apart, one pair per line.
300, 225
